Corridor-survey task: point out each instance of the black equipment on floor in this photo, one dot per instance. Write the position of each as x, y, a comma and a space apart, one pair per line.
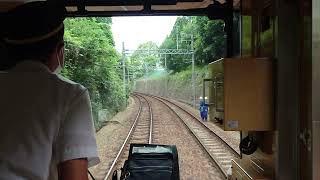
151, 162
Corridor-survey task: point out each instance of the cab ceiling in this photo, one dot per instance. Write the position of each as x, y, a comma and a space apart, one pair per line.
216, 9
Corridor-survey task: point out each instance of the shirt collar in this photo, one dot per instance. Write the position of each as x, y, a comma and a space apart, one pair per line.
30, 66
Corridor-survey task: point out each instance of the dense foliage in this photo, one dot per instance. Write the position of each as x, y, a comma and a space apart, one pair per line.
91, 60
209, 42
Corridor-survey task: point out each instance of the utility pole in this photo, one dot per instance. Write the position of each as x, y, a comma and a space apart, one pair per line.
177, 37
128, 75
134, 81
145, 77
165, 61
159, 60
193, 83
124, 68
193, 74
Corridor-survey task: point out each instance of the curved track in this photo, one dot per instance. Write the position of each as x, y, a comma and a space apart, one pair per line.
140, 132
217, 149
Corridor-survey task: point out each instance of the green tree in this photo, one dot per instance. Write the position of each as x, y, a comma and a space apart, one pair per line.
209, 42
145, 58
91, 60
182, 29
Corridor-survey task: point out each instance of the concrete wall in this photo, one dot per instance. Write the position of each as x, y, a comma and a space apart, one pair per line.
178, 86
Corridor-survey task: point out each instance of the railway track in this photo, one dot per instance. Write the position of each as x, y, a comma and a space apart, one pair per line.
216, 148
140, 132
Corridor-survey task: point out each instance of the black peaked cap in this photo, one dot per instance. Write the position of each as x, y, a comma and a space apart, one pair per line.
33, 20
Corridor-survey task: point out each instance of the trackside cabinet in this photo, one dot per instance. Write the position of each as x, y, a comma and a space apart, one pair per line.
241, 96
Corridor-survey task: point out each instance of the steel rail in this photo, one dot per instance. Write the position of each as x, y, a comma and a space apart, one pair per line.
164, 101
114, 163
203, 124
195, 135
206, 126
151, 120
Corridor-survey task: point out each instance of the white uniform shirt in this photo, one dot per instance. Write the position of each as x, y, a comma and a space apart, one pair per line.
44, 120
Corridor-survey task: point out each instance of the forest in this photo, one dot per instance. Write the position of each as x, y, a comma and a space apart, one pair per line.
92, 60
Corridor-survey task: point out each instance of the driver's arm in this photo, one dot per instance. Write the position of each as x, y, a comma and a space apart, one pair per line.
76, 148
75, 169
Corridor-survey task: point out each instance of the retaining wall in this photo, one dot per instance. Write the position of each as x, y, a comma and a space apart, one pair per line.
177, 86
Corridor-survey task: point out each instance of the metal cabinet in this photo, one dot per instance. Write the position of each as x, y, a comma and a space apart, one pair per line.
241, 94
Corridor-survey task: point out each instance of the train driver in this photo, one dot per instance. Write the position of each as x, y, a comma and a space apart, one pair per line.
46, 128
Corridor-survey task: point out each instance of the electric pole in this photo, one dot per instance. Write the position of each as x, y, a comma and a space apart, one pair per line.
165, 61
124, 68
146, 74
177, 37
193, 83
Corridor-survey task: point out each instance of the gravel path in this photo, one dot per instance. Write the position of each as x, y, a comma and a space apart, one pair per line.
140, 135
231, 137
194, 163
110, 138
